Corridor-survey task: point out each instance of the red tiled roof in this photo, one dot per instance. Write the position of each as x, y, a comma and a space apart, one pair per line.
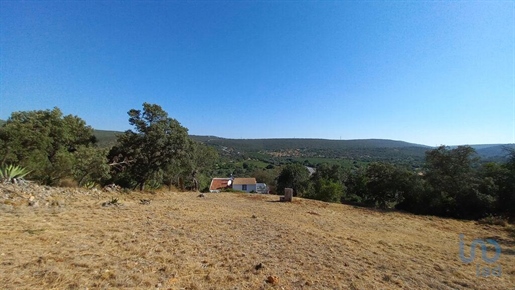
219, 183
244, 181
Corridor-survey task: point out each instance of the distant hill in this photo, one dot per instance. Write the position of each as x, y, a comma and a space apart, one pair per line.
272, 151
490, 151
304, 143
494, 150
313, 151
319, 149
106, 138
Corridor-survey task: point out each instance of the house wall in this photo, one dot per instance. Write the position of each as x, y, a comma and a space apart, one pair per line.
261, 188
250, 187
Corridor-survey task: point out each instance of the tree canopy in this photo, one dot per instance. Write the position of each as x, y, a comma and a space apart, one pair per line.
157, 143
294, 176
44, 141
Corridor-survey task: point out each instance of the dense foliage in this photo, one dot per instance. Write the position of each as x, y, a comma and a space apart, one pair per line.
158, 151
54, 148
452, 183
294, 176
47, 143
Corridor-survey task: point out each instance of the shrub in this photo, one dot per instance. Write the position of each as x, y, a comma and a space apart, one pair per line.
13, 174
493, 220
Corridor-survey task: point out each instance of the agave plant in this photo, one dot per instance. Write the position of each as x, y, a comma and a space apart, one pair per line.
90, 185
13, 174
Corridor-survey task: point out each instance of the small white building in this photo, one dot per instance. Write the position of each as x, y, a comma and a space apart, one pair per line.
245, 184
261, 188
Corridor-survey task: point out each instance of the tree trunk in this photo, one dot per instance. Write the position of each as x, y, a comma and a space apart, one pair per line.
181, 183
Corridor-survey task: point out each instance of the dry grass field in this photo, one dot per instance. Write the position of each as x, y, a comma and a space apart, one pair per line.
68, 240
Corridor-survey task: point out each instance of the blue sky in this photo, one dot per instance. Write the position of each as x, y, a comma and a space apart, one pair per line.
428, 72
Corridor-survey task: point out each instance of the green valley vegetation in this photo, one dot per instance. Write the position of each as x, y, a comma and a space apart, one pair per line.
452, 183
446, 181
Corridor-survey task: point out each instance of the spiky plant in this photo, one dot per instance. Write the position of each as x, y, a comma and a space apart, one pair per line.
90, 185
12, 173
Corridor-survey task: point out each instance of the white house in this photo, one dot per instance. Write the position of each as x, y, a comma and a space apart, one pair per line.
241, 184
245, 184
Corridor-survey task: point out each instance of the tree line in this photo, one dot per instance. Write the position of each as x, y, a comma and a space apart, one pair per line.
452, 183
55, 149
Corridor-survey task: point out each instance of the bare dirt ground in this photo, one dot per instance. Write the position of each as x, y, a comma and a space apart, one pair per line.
68, 240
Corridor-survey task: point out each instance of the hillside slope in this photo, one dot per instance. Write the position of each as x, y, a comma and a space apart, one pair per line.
497, 150
229, 241
304, 143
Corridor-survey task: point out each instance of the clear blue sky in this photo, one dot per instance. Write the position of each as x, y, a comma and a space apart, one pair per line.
427, 72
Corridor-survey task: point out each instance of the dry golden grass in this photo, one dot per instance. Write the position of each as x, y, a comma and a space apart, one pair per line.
181, 241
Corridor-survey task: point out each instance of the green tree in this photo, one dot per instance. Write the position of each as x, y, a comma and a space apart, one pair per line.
454, 183
326, 190
334, 173
326, 183
267, 176
90, 165
294, 176
356, 184
505, 179
156, 144
197, 164
44, 142
386, 184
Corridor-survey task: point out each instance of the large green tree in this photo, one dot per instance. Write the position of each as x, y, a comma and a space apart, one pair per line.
157, 144
294, 176
326, 183
196, 164
453, 182
45, 142
387, 184
505, 180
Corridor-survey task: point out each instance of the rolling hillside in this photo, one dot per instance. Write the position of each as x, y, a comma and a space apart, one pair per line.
273, 151
106, 138
173, 240
319, 150
492, 151
303, 143
301, 149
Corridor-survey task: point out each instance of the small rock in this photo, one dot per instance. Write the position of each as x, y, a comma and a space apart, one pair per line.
32, 201
272, 280
259, 266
